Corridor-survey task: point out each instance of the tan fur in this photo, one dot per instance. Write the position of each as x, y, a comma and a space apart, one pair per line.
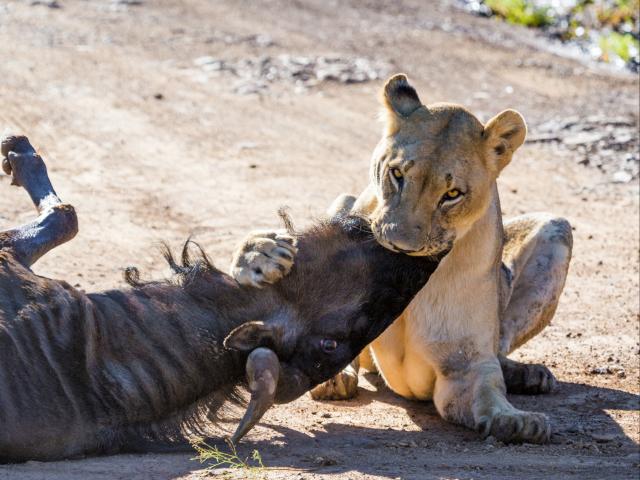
445, 346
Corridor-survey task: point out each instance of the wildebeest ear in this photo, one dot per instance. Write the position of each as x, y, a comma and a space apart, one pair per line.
503, 134
252, 335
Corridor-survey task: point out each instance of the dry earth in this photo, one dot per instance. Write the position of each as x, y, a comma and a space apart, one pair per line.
150, 146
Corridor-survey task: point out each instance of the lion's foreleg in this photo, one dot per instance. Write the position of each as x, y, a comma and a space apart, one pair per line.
476, 397
56, 222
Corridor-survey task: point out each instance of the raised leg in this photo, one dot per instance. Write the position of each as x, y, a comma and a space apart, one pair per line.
56, 222
536, 259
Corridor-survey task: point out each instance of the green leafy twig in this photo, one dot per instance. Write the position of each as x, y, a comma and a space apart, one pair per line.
221, 459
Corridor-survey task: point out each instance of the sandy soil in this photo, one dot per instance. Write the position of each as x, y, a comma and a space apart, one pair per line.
148, 147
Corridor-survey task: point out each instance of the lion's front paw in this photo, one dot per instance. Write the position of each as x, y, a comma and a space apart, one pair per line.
341, 387
263, 258
516, 426
528, 379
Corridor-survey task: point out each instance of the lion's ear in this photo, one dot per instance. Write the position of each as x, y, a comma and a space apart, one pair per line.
399, 100
503, 135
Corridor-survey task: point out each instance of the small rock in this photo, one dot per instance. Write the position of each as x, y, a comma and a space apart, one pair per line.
201, 61
600, 370
245, 146
621, 177
247, 87
324, 461
263, 40
47, 3
603, 437
583, 138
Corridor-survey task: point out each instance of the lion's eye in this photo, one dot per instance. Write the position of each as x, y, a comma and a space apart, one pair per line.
452, 196
397, 174
397, 178
329, 345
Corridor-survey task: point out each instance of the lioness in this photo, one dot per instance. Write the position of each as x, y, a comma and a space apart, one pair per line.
433, 189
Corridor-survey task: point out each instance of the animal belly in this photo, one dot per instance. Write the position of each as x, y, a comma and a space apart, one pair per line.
406, 371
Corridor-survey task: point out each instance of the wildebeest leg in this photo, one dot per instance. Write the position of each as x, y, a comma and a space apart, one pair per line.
56, 222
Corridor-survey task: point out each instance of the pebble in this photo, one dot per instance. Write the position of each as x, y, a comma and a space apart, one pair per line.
201, 61
603, 437
324, 461
49, 3
621, 177
263, 40
583, 138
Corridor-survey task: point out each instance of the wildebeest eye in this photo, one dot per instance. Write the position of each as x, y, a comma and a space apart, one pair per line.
328, 345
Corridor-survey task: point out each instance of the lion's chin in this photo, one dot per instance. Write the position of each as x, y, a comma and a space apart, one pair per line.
431, 253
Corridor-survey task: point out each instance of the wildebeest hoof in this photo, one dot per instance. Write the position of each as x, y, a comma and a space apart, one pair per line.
15, 143
341, 387
516, 427
19, 158
529, 379
264, 258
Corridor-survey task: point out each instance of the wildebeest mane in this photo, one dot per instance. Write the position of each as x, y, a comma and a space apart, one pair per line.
185, 271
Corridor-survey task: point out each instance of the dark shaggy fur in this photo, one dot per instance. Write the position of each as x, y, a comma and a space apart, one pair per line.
84, 373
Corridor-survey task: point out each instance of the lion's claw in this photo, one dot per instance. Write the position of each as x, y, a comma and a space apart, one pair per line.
341, 387
516, 427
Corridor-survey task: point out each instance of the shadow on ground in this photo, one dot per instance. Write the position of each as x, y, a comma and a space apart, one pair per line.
587, 443
592, 443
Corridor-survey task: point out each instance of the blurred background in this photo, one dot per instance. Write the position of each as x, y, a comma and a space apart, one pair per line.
162, 119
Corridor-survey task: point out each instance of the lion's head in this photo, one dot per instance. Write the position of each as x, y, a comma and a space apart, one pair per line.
434, 169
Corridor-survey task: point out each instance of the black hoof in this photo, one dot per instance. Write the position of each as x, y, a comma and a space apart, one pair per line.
15, 143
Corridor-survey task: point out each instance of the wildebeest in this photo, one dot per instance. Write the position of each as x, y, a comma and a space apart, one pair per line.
116, 370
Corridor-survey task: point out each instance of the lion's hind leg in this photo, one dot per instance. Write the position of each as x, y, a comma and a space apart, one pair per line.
56, 222
536, 259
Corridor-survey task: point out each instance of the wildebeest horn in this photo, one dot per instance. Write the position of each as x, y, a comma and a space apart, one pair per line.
263, 370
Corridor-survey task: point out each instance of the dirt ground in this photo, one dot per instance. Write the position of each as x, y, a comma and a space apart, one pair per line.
150, 146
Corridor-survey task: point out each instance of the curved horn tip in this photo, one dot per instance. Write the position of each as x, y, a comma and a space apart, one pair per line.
263, 371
